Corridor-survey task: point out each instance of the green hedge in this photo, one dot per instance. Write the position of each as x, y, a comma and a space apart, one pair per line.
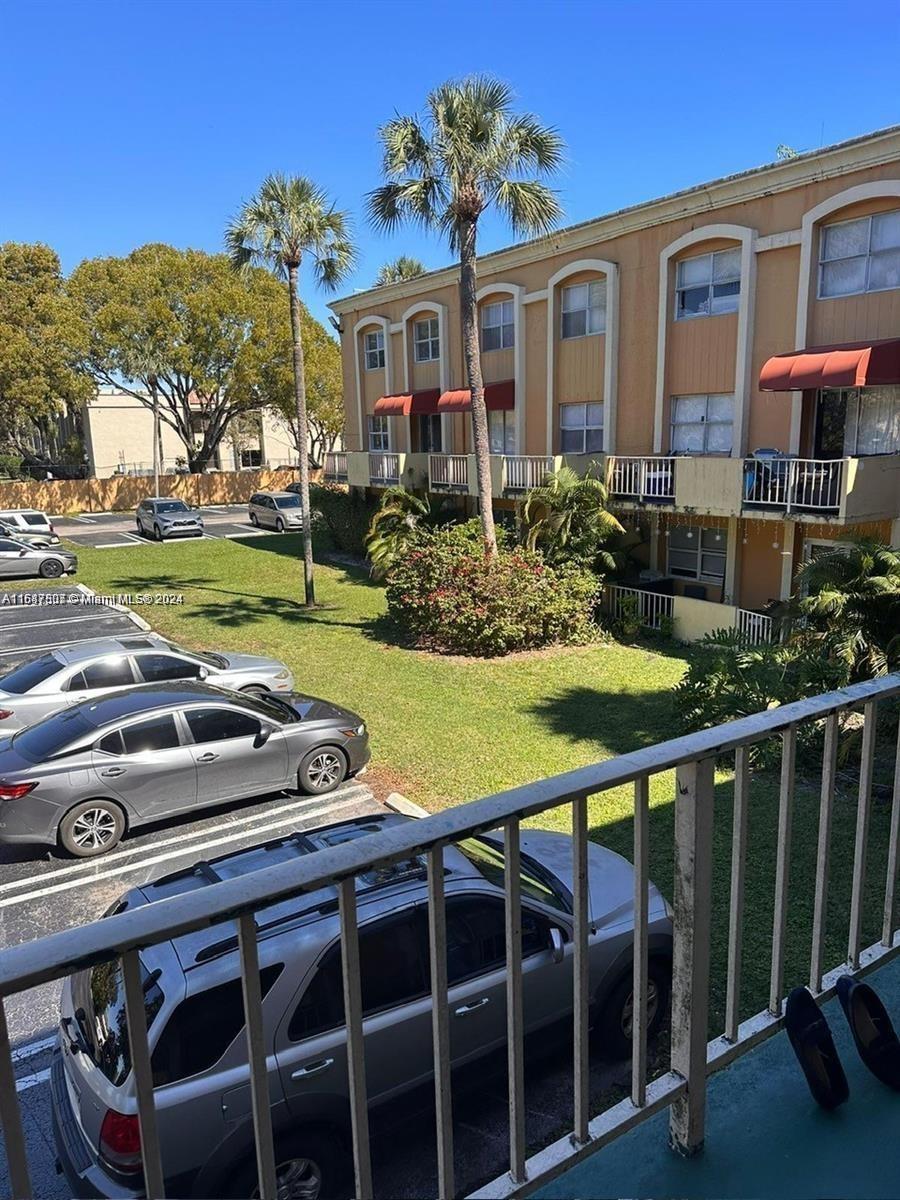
346, 514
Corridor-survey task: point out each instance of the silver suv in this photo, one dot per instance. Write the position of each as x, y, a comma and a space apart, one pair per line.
160, 518
192, 993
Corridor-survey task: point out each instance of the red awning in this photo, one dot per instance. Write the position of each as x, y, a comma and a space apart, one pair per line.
857, 364
498, 397
402, 405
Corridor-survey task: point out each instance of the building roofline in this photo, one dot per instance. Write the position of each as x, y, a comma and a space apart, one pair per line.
729, 189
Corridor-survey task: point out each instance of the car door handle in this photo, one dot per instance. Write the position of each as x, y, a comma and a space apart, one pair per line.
112, 772
312, 1068
207, 758
468, 1008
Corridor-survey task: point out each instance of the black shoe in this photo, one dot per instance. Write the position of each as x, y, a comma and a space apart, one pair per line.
876, 1041
813, 1044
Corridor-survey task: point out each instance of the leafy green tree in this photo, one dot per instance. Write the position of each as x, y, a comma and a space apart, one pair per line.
469, 154
324, 391
288, 220
181, 323
397, 524
399, 269
566, 519
42, 342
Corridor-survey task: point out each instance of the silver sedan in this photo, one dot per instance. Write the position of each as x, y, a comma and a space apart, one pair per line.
17, 559
86, 670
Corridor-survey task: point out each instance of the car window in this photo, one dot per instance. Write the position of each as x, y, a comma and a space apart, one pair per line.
202, 1028
476, 936
29, 675
35, 519
171, 506
219, 724
99, 995
108, 672
392, 972
536, 881
291, 501
52, 735
156, 733
156, 668
9, 547
112, 743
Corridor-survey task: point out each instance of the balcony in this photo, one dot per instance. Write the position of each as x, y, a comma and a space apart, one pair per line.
336, 467
381, 469
452, 473
810, 485
642, 480
679, 1089
514, 474
688, 619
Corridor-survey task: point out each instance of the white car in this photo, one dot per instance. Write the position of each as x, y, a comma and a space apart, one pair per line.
29, 521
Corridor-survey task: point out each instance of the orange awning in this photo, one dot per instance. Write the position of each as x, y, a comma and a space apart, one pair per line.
857, 364
404, 404
498, 397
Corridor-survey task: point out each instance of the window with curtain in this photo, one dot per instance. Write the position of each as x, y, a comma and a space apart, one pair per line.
498, 331
584, 309
878, 421
862, 255
708, 285
502, 432
702, 424
697, 553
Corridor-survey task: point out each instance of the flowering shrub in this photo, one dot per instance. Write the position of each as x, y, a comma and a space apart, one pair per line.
450, 599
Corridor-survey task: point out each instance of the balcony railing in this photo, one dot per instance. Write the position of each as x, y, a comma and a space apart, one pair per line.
336, 466
521, 472
645, 480
448, 472
756, 629
649, 607
384, 469
682, 1088
794, 484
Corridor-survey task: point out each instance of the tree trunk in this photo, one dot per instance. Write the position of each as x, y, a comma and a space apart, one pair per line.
302, 438
472, 353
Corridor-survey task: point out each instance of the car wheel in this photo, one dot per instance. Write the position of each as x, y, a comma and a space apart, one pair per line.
309, 1167
157, 533
615, 1023
91, 828
279, 525
322, 770
51, 569
254, 519
255, 689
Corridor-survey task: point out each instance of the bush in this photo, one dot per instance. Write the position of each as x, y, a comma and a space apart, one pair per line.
11, 465
448, 598
346, 515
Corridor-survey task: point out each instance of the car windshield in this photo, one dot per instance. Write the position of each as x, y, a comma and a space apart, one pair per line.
171, 506
40, 742
204, 656
291, 501
30, 674
272, 707
536, 881
99, 998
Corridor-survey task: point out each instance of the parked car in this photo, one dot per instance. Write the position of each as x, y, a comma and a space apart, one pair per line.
69, 674
81, 777
200, 1064
276, 510
30, 522
39, 540
19, 559
161, 518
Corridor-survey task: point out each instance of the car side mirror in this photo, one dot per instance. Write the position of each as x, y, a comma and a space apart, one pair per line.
265, 732
22, 553
557, 945
203, 673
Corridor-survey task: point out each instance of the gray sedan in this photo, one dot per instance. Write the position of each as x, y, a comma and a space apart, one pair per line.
17, 559
160, 518
82, 777
86, 670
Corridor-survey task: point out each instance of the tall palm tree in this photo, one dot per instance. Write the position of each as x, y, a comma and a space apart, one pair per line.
399, 269
469, 153
567, 520
290, 219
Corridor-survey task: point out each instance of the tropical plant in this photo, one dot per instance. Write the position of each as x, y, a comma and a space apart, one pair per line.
566, 519
346, 514
397, 524
399, 269
469, 154
850, 599
290, 219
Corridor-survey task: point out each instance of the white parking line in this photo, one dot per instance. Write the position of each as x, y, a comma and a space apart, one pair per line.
30, 1081
110, 545
90, 865
32, 1049
80, 616
53, 889
86, 520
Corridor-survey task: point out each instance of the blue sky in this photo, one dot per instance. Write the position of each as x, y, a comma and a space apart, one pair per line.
131, 122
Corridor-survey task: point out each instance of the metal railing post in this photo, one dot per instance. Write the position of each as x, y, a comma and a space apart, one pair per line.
694, 796
863, 812
736, 901
515, 1028
580, 905
356, 1051
440, 1020
782, 866
11, 1119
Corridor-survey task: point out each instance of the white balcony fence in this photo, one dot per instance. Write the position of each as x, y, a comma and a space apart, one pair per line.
448, 472
682, 1086
336, 466
647, 480
384, 469
521, 473
649, 607
756, 629
805, 484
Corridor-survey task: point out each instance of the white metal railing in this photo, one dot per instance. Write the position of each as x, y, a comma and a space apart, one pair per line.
448, 471
649, 607
648, 480
755, 628
811, 484
336, 465
522, 472
682, 1088
384, 469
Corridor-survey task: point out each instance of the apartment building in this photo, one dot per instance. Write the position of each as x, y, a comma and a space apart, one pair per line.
727, 357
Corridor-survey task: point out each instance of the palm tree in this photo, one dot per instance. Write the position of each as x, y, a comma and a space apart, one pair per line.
469, 153
399, 269
567, 520
288, 219
397, 524
851, 596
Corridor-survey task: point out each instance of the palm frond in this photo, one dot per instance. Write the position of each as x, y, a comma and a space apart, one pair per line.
529, 205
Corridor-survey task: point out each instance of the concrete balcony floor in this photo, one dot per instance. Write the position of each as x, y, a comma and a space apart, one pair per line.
765, 1136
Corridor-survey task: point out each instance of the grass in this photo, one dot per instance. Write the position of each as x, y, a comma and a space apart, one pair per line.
449, 730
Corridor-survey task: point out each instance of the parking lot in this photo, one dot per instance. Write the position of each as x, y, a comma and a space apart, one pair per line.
108, 530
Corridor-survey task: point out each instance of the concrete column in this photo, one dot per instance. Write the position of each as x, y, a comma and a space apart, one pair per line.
729, 595
654, 541
788, 533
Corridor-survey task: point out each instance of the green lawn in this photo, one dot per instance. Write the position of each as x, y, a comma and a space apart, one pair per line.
447, 730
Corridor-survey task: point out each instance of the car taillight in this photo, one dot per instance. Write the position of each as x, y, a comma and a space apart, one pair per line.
15, 791
120, 1141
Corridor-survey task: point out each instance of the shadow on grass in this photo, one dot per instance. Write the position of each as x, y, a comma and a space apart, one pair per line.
615, 722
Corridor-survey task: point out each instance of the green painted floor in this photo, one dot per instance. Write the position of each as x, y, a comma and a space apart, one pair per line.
765, 1137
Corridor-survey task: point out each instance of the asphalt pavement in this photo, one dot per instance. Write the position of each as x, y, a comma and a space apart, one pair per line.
103, 531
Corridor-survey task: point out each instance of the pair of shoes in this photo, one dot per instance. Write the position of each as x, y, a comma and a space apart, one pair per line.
810, 1037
